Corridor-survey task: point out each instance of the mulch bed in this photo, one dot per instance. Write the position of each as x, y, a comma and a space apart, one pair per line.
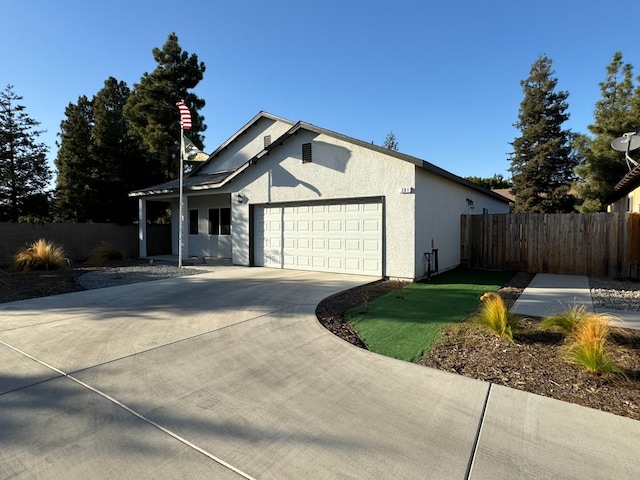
22, 286
534, 363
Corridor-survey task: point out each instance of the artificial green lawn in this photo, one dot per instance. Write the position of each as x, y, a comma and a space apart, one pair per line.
405, 328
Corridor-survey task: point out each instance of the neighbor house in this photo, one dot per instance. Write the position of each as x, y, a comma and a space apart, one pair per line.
626, 194
292, 195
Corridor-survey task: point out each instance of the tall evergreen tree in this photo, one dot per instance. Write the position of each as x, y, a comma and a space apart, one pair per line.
119, 160
543, 160
617, 112
390, 142
152, 112
75, 190
24, 173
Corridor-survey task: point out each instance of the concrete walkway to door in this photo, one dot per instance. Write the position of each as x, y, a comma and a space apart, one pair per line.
228, 374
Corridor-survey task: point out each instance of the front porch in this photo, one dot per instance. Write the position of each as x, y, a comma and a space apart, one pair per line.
206, 227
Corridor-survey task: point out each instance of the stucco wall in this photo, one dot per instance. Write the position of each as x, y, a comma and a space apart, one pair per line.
202, 244
339, 170
439, 204
78, 239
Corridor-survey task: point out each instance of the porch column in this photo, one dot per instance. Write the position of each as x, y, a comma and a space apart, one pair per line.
142, 227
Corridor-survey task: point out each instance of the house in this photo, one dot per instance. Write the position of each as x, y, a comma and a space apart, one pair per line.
508, 194
292, 195
626, 194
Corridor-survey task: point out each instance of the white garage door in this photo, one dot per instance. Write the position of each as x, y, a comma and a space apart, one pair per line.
344, 237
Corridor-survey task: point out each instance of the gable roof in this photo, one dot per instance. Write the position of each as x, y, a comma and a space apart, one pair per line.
202, 182
240, 132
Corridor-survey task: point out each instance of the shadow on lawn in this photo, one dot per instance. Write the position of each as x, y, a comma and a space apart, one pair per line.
466, 276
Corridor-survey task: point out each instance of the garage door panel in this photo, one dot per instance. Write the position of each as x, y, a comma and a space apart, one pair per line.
371, 245
370, 226
304, 243
335, 244
304, 261
336, 226
319, 244
335, 263
334, 237
319, 226
352, 225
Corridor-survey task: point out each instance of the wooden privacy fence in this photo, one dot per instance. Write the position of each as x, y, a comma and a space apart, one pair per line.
594, 244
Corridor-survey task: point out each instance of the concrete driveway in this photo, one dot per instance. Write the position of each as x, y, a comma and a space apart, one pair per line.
228, 375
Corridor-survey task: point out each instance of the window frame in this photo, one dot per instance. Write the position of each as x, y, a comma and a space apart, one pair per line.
220, 221
193, 223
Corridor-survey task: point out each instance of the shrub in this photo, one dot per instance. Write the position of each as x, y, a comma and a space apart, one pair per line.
493, 314
40, 255
104, 253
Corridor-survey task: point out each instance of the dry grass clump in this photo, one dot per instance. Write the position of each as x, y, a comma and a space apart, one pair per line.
494, 315
40, 255
587, 336
105, 253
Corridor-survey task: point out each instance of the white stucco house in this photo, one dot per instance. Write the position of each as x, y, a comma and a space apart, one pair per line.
292, 195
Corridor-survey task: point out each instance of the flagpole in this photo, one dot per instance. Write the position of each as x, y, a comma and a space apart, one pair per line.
181, 215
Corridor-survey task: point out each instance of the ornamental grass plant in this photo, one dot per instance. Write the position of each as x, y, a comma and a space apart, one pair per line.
105, 253
40, 255
586, 334
588, 345
566, 321
494, 315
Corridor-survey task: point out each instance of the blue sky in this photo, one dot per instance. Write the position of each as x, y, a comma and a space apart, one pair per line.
444, 76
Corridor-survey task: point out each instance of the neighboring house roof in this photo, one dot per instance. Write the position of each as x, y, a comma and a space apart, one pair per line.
627, 184
506, 193
202, 182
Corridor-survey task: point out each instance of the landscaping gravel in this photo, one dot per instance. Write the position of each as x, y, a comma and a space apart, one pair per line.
132, 274
615, 294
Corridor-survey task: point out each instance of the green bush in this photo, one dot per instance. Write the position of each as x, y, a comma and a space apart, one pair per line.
40, 255
493, 315
104, 253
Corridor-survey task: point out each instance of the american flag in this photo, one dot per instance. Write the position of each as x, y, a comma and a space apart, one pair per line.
185, 116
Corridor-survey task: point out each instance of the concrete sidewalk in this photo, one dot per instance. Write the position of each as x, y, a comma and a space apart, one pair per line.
548, 294
229, 375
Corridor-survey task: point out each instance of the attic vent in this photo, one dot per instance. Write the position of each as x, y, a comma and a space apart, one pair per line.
267, 140
306, 153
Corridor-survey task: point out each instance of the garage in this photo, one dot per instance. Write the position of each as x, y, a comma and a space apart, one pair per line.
339, 237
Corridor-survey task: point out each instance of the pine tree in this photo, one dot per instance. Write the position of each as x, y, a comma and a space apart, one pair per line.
75, 190
390, 142
151, 109
24, 173
617, 112
542, 161
119, 159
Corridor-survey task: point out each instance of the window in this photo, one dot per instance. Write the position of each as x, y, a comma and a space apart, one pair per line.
267, 140
219, 221
306, 153
193, 222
